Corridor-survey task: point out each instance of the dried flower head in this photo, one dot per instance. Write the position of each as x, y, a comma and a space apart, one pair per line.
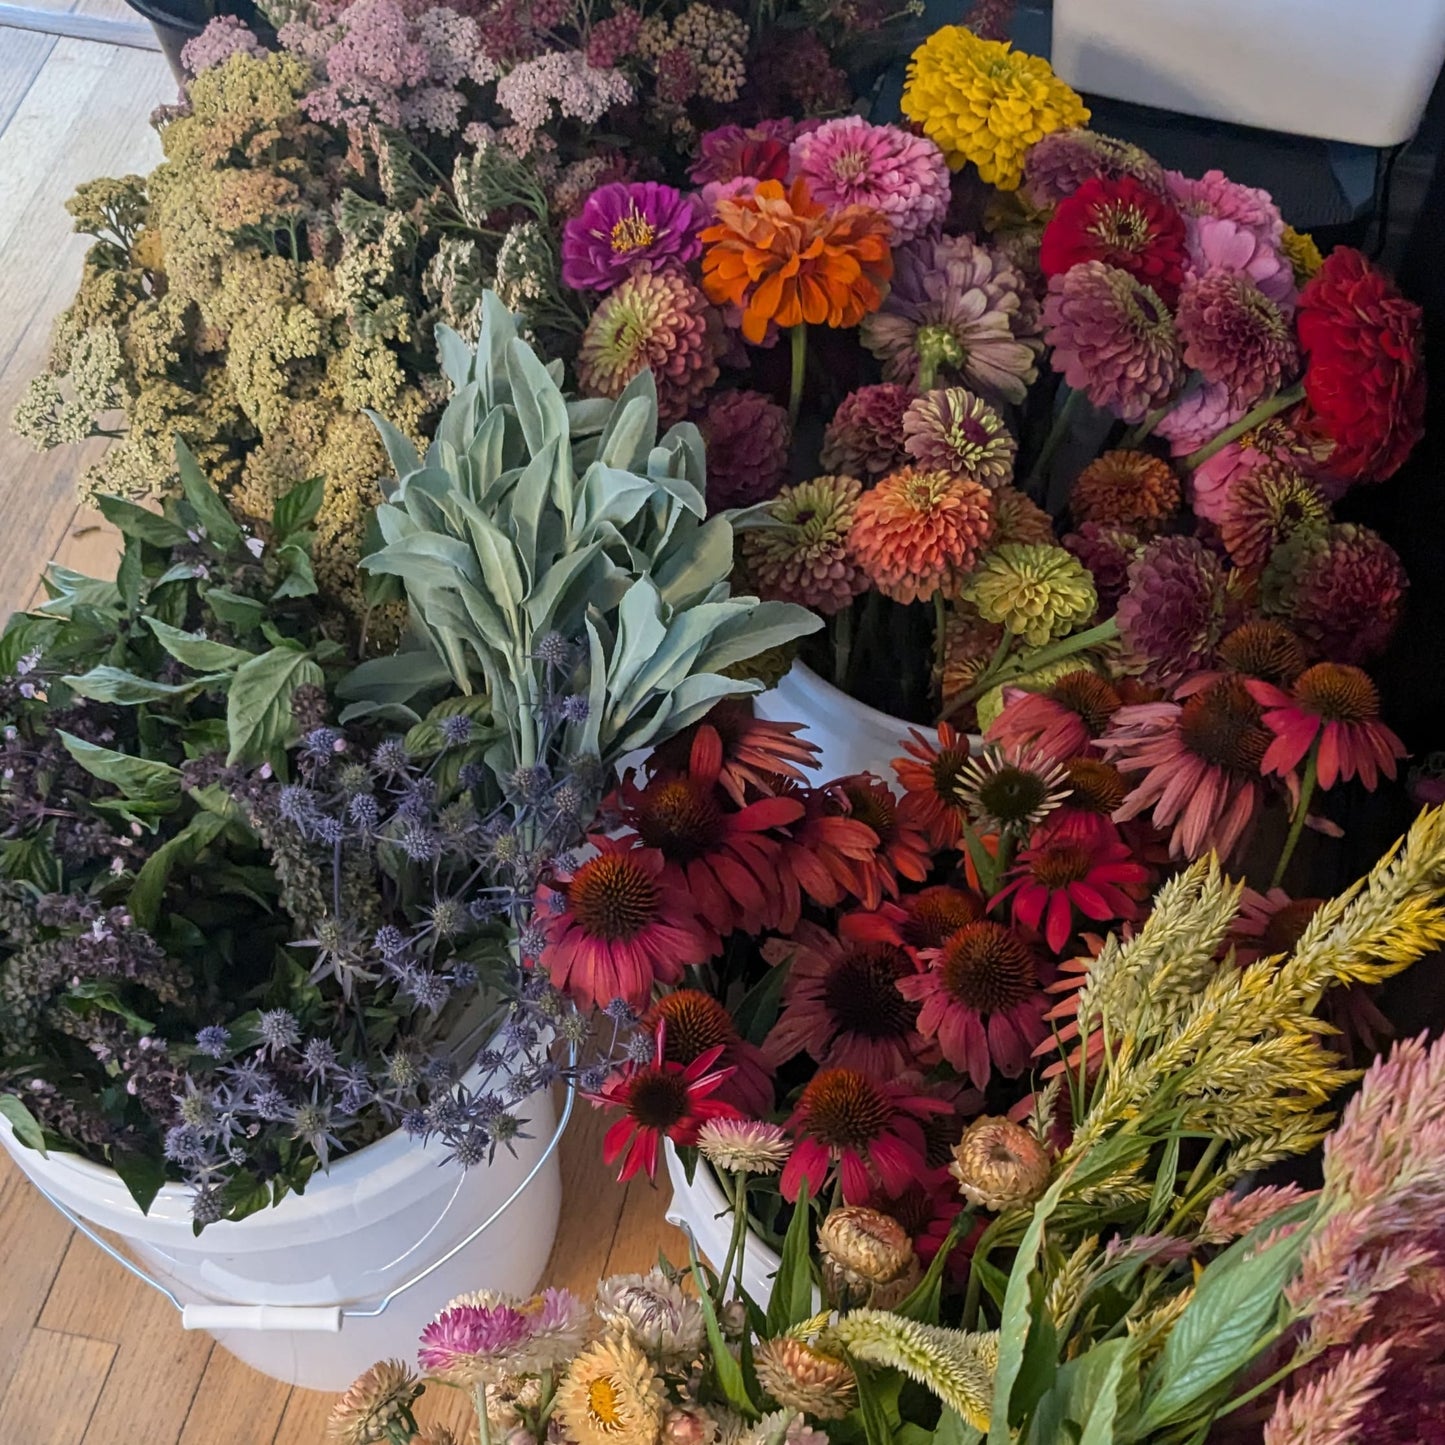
374, 1406
653, 1311
866, 1256
999, 1165
803, 1376
610, 1394
744, 1146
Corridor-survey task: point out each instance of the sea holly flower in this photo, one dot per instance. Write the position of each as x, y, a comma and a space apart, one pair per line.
625, 225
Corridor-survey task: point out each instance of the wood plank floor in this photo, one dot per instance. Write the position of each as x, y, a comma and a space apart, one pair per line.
89, 1356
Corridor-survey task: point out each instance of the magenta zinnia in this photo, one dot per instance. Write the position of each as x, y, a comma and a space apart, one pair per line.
1236, 337
1174, 613
747, 436
626, 225
865, 437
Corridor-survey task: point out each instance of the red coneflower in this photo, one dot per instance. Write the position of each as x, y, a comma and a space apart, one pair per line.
871, 1130
1062, 875
659, 1099
902, 850
842, 1005
930, 775
1061, 721
823, 854
615, 929
757, 755
695, 1024
919, 920
981, 1000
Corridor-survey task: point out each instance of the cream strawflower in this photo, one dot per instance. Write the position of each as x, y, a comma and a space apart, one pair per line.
653, 1311
375, 1402
610, 1396
744, 1146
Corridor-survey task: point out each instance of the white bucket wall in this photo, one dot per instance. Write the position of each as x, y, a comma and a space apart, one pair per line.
376, 1219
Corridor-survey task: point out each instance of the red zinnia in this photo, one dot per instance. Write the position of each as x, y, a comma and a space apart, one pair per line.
619, 929
929, 775
658, 1099
1061, 875
1365, 378
1122, 224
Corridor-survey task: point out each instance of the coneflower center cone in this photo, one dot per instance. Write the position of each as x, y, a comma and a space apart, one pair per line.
612, 897
1095, 786
860, 993
657, 1100
681, 818
696, 1022
844, 1109
1266, 650
1056, 865
936, 913
1222, 725
1089, 698
987, 968
1338, 693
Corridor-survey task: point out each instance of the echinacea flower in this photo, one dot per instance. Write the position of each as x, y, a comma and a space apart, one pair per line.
1234, 336
1113, 338
920, 532
841, 1003
1060, 163
959, 310
981, 1001
1200, 766
1337, 706
1061, 720
848, 162
1365, 374
1010, 790
1265, 650
758, 754
929, 773
744, 1146
747, 436
1269, 923
865, 437
1036, 592
373, 1404
625, 225
832, 855
1175, 611
1124, 488
870, 1130
471, 1344
952, 430
611, 1393
1096, 792
657, 321
807, 557
983, 102
919, 920
723, 858
659, 1100
802, 1376
787, 260
1121, 223
1265, 508
656, 1313
901, 849
558, 1325
695, 1024
1061, 876
999, 1165
1340, 588
615, 930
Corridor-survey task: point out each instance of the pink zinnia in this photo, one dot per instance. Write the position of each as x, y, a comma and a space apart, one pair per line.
1275, 440
1217, 244
1200, 762
615, 930
760, 152
1107, 552
1337, 705
747, 436
842, 1003
1214, 194
865, 437
849, 162
1062, 876
981, 1001
659, 1100
870, 1130
625, 225
1203, 410
467, 1344
1236, 337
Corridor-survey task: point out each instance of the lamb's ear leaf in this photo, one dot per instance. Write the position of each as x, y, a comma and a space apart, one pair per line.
23, 1122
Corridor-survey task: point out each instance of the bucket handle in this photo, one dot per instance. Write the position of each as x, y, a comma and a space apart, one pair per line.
324, 1319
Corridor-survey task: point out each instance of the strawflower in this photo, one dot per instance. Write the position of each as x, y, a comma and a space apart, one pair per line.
866, 1257
983, 102
655, 1312
999, 1165
377, 1403
1036, 592
1337, 707
952, 430
471, 1344
807, 557
611, 1394
625, 225
802, 1376
786, 260
1065, 875
744, 1146
865, 437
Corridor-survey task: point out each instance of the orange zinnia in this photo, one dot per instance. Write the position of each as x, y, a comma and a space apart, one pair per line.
784, 258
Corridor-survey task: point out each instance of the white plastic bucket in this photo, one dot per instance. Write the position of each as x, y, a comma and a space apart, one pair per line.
373, 1222
1344, 70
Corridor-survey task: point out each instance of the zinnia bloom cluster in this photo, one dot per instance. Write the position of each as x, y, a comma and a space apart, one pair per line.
865, 437
953, 430
747, 437
808, 557
1064, 160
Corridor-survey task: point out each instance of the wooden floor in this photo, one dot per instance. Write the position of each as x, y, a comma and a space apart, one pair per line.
88, 1356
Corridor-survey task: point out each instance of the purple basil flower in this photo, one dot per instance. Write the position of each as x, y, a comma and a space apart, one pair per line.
624, 225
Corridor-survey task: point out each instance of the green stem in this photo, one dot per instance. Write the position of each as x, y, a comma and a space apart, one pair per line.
940, 635
927, 373
1060, 429
1297, 826
1193, 1183
799, 337
985, 679
842, 646
1281, 401
739, 1203
484, 1426
1033, 662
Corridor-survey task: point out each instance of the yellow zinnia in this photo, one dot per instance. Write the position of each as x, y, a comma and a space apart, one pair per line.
982, 101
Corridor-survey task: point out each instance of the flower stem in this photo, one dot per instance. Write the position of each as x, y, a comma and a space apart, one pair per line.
1060, 429
1137, 436
1018, 666
799, 337
739, 1202
484, 1426
1301, 812
1281, 401
927, 373
940, 635
842, 646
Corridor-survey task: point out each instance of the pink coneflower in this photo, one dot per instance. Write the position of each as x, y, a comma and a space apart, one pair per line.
615, 929
658, 1100
625, 225
902, 850
1269, 923
1061, 721
1200, 762
849, 162
842, 1005
1236, 337
469, 1344
981, 1001
757, 755
1063, 875
721, 857
828, 855
930, 774
871, 1130
926, 919
695, 1024
1337, 705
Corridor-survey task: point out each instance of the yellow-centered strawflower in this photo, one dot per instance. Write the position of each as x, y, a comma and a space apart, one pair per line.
610, 1396
982, 101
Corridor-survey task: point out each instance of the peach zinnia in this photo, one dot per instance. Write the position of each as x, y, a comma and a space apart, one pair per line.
786, 260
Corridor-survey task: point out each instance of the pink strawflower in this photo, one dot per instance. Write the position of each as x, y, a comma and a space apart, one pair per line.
1338, 706
1218, 244
1107, 552
1175, 610
1236, 337
1113, 339
865, 437
1214, 194
1060, 163
222, 38
1059, 877
748, 437
468, 1344
848, 162
625, 225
